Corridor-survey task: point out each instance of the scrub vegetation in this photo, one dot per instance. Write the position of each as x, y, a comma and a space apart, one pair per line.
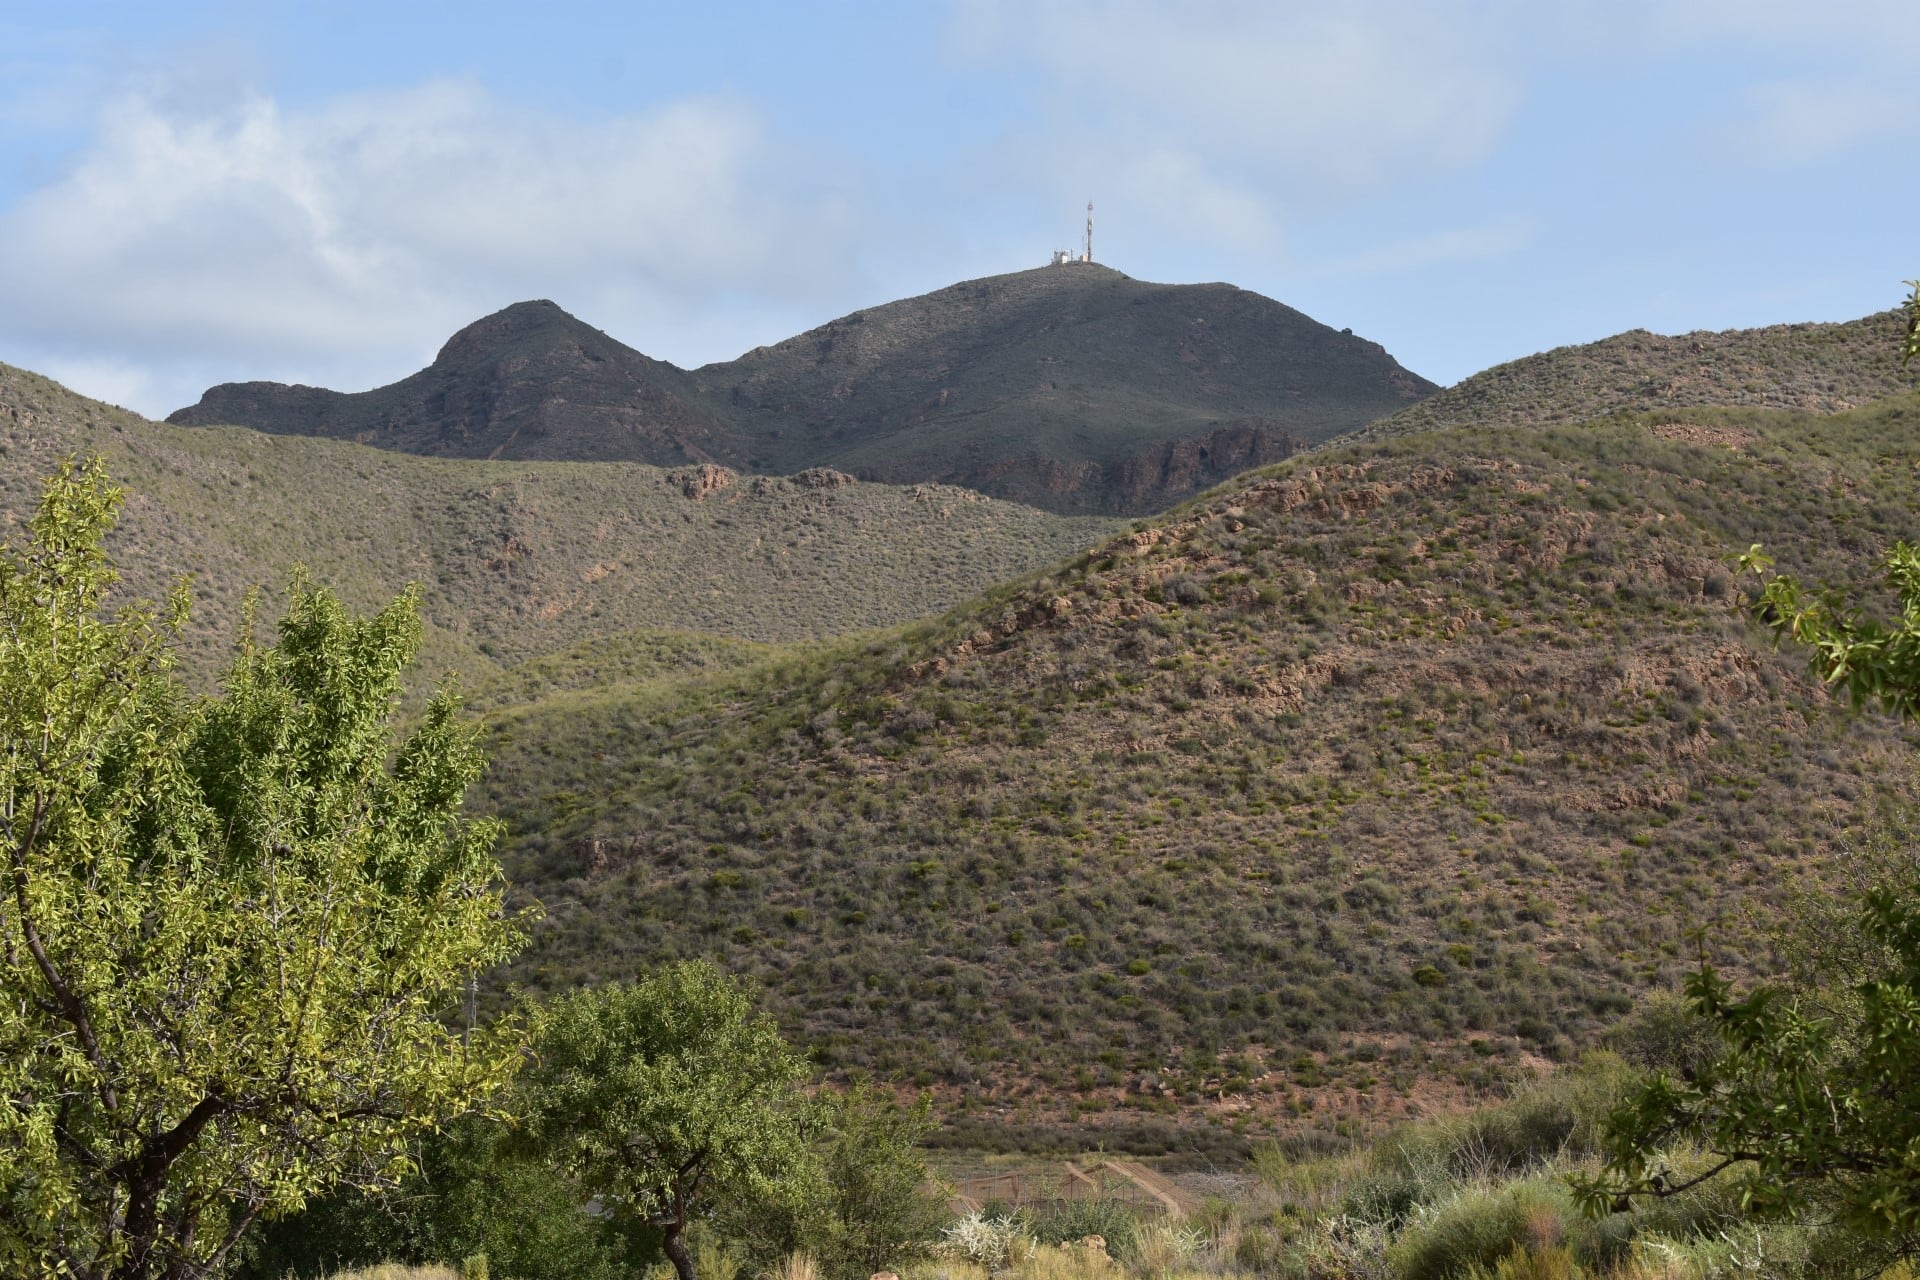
1382, 775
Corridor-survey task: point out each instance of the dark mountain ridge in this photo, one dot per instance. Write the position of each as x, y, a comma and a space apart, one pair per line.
1076, 389
527, 383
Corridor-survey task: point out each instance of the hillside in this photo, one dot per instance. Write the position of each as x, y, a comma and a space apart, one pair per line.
1075, 389
1818, 368
1374, 776
519, 560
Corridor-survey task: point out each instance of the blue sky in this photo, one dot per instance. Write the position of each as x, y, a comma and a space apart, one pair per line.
323, 192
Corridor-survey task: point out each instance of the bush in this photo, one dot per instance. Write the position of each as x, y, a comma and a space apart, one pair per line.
1479, 1227
1665, 1034
993, 1243
468, 1199
1077, 1219
870, 1208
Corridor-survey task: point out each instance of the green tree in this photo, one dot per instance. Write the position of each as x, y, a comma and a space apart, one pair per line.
473, 1191
229, 924
871, 1207
667, 1095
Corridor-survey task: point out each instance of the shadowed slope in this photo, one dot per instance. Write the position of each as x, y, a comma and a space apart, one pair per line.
1074, 388
528, 382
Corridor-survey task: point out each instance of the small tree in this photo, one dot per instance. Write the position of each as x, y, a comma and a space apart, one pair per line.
663, 1096
228, 924
871, 1208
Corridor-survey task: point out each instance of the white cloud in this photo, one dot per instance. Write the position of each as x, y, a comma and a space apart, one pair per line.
1888, 28
1251, 109
365, 231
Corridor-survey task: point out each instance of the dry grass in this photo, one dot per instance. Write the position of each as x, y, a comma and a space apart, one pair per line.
795, 1266
1070, 1262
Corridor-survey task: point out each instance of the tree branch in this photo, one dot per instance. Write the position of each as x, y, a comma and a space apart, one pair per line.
70, 1006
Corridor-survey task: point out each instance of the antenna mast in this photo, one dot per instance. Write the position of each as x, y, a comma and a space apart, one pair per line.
1089, 254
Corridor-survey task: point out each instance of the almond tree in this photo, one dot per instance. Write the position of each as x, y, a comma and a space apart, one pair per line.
228, 924
667, 1095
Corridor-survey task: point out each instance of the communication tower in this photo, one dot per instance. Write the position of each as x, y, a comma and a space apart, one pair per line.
1067, 257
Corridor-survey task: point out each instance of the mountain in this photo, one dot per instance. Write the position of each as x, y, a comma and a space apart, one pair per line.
1369, 779
519, 560
527, 383
1075, 389
1820, 368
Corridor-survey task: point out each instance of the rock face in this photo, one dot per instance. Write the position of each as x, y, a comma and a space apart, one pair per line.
1190, 465
1076, 389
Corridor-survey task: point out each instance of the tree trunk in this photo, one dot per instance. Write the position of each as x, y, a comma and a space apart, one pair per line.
676, 1249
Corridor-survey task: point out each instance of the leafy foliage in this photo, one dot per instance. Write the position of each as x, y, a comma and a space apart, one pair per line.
1810, 1111
1912, 345
474, 1191
1873, 661
866, 1205
230, 924
665, 1096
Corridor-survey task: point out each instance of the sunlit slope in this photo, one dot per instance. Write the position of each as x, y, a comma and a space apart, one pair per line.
1443, 745
1816, 368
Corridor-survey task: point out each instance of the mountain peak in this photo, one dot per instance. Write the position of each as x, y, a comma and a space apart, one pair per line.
519, 324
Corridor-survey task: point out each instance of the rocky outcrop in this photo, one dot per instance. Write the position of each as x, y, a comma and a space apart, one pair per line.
703, 481
1156, 478
823, 478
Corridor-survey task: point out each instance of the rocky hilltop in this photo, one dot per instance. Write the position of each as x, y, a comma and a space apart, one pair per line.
1818, 368
529, 383
1076, 389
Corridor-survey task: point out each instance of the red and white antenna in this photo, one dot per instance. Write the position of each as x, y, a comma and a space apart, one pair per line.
1088, 256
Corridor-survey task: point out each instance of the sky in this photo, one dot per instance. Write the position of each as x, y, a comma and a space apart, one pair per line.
200, 192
